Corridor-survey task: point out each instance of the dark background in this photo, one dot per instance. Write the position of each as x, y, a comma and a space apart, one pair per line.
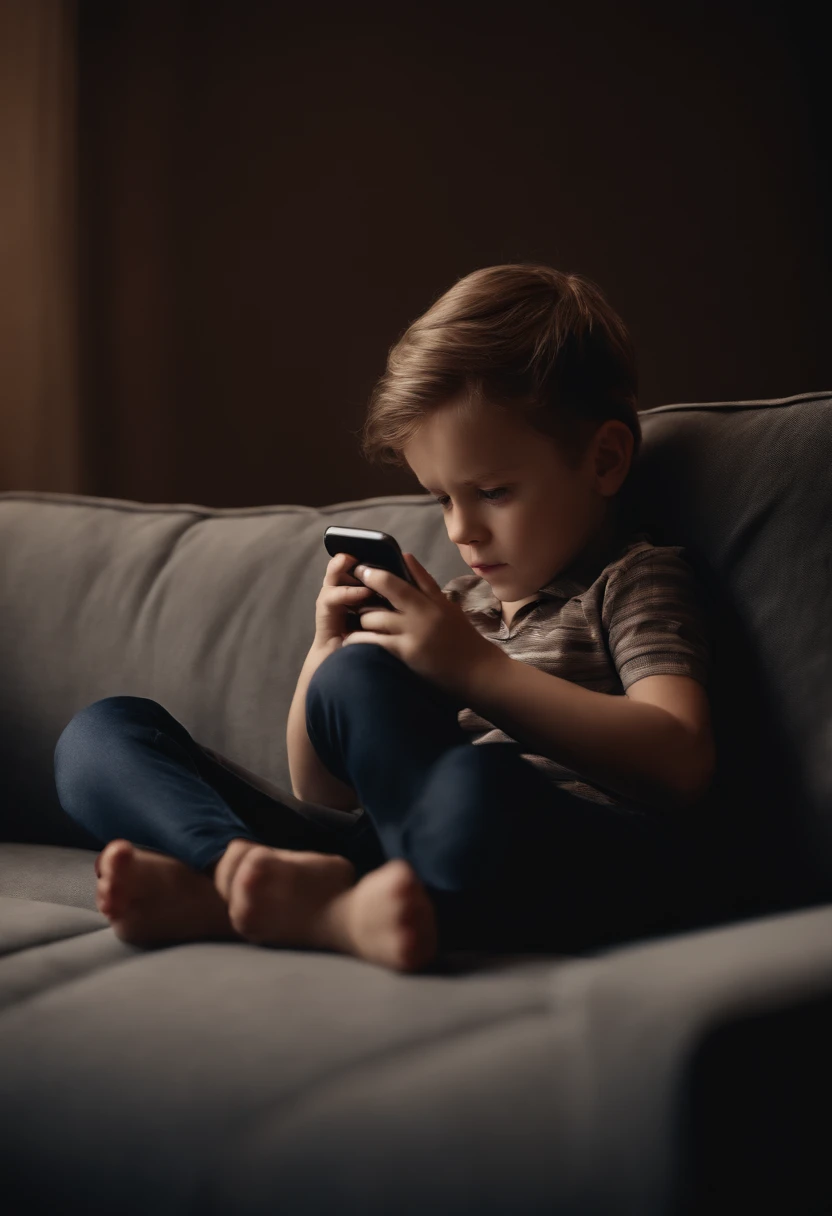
268, 197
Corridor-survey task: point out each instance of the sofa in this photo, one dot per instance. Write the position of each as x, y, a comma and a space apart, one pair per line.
688, 1072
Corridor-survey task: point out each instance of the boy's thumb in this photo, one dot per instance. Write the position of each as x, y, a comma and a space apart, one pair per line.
425, 581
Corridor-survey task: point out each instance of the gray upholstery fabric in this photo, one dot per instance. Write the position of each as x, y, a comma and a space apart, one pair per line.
745, 486
58, 874
679, 1075
222, 1078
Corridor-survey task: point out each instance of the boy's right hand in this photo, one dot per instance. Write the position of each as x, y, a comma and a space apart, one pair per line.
339, 592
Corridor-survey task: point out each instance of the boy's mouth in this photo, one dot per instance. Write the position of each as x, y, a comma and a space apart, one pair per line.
484, 569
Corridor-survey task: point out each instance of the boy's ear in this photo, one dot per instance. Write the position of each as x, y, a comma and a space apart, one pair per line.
614, 451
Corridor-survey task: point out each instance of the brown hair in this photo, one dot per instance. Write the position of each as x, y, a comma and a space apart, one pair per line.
544, 344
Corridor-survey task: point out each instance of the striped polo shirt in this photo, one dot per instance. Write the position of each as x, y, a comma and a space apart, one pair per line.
624, 609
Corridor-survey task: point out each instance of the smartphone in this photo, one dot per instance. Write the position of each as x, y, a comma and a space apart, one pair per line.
369, 548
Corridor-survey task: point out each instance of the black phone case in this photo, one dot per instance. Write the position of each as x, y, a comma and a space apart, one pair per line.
382, 551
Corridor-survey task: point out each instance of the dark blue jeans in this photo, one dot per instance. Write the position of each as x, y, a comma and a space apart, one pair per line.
510, 861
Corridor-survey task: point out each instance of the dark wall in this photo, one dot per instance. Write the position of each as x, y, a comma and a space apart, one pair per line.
270, 197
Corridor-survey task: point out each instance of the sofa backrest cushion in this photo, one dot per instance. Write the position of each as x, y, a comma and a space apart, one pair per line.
746, 487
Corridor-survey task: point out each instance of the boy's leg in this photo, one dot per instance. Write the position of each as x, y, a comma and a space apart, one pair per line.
378, 726
125, 767
572, 874
510, 861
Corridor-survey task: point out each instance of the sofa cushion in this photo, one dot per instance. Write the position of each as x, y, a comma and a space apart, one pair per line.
227, 1077
45, 946
745, 486
55, 874
25, 923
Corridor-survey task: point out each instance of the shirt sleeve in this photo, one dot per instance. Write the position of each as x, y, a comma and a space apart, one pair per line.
654, 617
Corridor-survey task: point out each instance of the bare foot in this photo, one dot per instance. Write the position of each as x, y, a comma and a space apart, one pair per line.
151, 898
286, 898
222, 870
389, 918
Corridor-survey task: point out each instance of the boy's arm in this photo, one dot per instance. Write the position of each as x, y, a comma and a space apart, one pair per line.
311, 779
643, 751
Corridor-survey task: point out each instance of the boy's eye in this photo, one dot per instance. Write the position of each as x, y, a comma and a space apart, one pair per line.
489, 495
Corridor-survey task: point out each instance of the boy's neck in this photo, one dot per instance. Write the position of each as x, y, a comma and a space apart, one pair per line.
601, 545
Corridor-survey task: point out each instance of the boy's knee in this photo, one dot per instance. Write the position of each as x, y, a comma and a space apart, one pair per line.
99, 714
343, 670
83, 735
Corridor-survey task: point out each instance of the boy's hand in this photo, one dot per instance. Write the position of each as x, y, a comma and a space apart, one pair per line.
339, 593
427, 631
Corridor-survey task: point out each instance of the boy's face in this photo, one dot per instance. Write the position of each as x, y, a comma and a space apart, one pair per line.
541, 514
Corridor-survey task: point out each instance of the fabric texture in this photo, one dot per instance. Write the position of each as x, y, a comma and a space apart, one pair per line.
625, 609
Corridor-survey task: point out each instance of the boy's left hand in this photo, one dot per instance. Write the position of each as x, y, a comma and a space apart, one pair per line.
428, 632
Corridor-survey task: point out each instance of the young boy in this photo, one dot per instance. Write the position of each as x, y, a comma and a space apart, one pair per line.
513, 401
